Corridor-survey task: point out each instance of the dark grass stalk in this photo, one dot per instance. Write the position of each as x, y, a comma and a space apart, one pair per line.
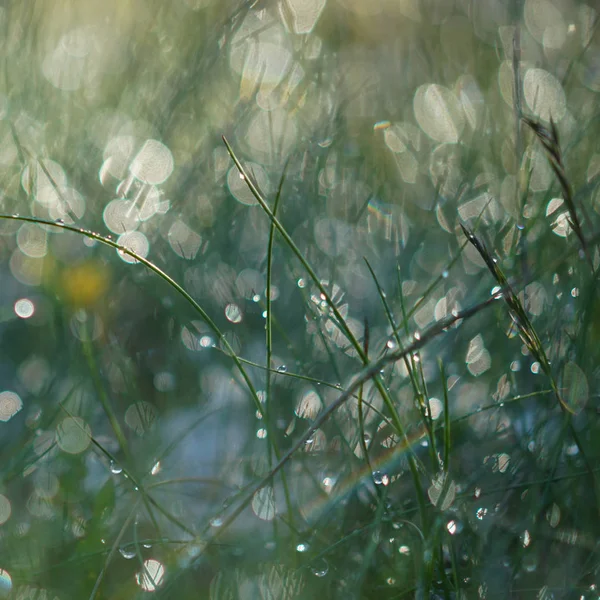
550, 141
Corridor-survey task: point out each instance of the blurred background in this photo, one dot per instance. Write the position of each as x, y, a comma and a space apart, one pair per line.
126, 428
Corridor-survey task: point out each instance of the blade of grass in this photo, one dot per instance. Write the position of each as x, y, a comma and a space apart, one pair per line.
269, 346
550, 142
169, 280
338, 317
365, 374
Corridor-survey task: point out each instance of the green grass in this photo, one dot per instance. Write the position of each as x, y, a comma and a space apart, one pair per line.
369, 371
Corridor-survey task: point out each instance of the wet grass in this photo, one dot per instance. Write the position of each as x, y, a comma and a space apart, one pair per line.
426, 432
378, 533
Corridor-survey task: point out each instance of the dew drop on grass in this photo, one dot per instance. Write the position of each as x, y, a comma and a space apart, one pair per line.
127, 553
445, 274
115, 468
216, 522
380, 478
320, 568
302, 547
282, 369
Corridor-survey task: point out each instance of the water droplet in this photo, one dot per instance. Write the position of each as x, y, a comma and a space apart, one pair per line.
320, 568
115, 468
301, 283
59, 222
282, 369
380, 478
216, 522
302, 547
127, 553
445, 274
